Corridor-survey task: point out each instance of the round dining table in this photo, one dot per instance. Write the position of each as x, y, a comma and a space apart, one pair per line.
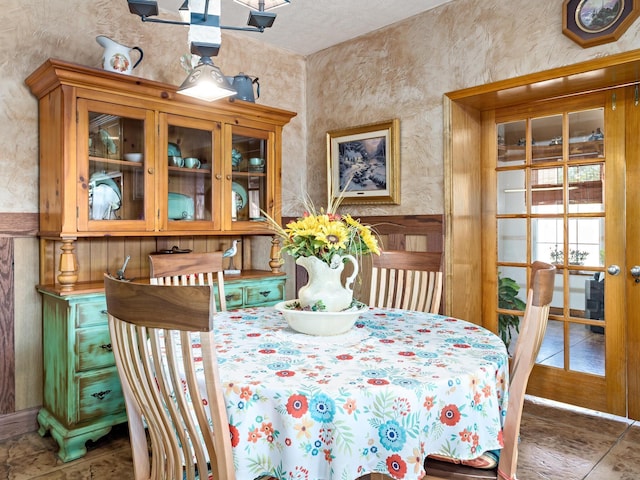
398, 386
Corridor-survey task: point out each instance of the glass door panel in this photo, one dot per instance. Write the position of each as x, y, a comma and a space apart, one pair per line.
249, 165
189, 174
546, 139
511, 143
113, 151
512, 191
586, 134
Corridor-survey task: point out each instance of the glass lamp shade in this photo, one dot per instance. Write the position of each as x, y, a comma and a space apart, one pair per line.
206, 82
267, 4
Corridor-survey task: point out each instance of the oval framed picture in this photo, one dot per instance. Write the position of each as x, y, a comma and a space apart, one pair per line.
594, 22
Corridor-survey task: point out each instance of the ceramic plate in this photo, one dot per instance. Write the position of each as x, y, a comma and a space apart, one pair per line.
242, 193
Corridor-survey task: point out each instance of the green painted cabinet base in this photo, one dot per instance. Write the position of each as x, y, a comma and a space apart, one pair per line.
82, 395
73, 442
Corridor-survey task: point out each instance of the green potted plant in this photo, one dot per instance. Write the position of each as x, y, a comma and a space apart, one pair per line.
508, 300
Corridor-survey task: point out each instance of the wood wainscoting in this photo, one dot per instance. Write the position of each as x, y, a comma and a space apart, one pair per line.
12, 225
419, 233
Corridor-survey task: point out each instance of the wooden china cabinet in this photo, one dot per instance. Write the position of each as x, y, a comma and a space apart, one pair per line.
114, 185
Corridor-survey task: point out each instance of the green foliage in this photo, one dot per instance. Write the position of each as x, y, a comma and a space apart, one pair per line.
507, 300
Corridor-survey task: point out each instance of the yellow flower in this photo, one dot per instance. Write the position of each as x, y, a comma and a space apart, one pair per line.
334, 235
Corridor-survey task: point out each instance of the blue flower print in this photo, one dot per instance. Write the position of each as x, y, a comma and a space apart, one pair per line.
289, 351
373, 374
278, 366
322, 408
425, 354
392, 436
405, 382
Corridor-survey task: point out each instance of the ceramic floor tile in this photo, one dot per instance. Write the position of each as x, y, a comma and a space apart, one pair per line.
622, 461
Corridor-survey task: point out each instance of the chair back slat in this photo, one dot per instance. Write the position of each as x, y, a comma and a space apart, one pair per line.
189, 269
408, 280
167, 364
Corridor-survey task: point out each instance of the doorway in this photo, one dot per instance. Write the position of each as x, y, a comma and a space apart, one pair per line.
581, 211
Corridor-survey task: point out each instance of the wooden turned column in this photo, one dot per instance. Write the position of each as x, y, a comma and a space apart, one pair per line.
68, 265
276, 259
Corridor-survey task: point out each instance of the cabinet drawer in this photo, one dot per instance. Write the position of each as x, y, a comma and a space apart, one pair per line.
264, 294
94, 348
233, 295
100, 394
91, 313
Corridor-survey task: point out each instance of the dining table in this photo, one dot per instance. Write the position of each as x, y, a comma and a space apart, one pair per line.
398, 386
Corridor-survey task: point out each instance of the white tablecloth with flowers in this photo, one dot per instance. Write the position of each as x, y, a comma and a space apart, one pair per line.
398, 386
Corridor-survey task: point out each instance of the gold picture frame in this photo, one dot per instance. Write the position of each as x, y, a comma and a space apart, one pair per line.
363, 164
590, 22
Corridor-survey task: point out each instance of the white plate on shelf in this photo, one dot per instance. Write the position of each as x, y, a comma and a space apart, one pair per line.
242, 195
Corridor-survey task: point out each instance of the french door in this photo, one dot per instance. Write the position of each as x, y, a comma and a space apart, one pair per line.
555, 190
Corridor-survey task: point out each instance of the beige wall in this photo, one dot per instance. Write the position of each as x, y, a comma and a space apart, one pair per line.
399, 72
403, 72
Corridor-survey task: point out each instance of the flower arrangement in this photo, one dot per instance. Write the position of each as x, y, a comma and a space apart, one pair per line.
322, 234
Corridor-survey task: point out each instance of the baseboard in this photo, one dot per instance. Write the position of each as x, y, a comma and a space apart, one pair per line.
18, 423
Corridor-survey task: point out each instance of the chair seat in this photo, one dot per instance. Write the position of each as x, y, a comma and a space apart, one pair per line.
440, 470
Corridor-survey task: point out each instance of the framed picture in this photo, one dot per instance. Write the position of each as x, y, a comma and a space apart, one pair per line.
594, 22
363, 164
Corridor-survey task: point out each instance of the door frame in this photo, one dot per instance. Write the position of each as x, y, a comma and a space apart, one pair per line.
464, 113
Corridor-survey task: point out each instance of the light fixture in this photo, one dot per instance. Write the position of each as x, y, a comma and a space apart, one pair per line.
259, 18
262, 5
206, 80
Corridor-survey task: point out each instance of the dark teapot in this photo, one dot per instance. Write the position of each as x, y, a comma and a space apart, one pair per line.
243, 84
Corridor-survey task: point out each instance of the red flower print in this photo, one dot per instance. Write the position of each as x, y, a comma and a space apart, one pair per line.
285, 373
253, 334
476, 398
377, 381
287, 442
476, 439
450, 415
486, 390
386, 340
465, 435
407, 354
461, 345
266, 428
245, 393
396, 466
344, 356
297, 406
428, 403
254, 435
205, 402
500, 439
424, 330
350, 406
327, 455
267, 350
235, 435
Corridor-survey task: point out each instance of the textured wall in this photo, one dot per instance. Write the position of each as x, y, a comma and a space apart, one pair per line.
403, 72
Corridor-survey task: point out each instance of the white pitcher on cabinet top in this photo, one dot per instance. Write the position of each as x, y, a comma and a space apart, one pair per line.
116, 57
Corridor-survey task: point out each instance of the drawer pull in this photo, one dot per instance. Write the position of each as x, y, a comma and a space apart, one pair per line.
265, 293
101, 395
104, 312
228, 297
107, 347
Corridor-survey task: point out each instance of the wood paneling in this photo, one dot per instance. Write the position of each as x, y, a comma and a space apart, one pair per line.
7, 360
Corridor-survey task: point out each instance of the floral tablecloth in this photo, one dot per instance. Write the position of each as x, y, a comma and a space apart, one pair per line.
398, 386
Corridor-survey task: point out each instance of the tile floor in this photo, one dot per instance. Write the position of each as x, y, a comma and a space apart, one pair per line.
556, 444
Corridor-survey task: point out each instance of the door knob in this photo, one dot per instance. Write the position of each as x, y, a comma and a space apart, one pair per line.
613, 269
635, 272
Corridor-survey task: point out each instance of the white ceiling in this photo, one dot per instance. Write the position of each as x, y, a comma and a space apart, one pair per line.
308, 26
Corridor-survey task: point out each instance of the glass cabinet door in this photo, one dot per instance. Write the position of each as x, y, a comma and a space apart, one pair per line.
188, 192
250, 162
114, 152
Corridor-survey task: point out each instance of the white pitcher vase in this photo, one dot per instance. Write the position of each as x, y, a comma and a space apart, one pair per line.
325, 283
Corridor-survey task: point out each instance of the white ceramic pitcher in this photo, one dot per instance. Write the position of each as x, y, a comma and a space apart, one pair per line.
116, 57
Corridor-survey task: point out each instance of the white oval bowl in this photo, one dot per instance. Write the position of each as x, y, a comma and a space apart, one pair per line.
133, 157
319, 323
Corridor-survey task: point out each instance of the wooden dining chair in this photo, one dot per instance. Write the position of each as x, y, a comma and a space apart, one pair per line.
532, 330
189, 269
409, 280
158, 333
